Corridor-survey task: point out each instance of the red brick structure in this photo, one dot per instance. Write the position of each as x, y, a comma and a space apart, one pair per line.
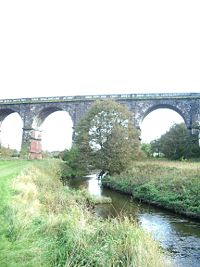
35, 150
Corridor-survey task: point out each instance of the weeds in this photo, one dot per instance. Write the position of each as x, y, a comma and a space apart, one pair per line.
174, 185
51, 225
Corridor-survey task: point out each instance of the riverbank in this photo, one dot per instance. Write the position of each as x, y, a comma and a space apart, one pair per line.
51, 225
171, 185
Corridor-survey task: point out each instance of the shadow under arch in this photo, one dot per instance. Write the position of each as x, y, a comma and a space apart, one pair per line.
4, 112
38, 136
42, 115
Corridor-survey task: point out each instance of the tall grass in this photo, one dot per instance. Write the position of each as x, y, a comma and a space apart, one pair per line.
174, 185
8, 170
51, 225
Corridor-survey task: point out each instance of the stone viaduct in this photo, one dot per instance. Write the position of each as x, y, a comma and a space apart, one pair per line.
33, 111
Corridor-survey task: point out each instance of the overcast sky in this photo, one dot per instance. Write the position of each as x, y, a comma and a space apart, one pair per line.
50, 48
83, 47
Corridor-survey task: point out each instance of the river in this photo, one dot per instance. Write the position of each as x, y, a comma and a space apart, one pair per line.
178, 235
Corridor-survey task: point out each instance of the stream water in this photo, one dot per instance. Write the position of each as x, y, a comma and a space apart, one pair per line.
178, 235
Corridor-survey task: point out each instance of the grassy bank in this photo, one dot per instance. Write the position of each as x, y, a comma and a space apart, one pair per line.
173, 185
51, 225
8, 171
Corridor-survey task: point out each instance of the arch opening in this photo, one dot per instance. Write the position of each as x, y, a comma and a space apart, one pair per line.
11, 129
164, 107
57, 129
157, 121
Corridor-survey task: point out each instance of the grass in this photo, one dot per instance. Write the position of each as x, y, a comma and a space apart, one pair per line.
51, 225
8, 171
173, 185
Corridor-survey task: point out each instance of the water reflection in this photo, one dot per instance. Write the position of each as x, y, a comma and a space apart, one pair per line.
158, 226
94, 186
179, 235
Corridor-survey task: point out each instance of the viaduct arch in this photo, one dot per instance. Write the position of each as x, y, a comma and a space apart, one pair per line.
33, 111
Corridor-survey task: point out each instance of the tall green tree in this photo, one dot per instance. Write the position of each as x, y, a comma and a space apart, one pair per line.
106, 138
179, 143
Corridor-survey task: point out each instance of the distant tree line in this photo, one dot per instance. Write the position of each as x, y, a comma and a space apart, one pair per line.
177, 143
6, 152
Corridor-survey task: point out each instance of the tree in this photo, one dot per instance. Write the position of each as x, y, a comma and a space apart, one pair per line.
6, 152
106, 137
147, 149
156, 148
179, 143
74, 166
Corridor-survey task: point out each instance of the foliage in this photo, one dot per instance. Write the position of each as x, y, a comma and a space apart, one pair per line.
179, 143
8, 152
174, 185
52, 154
8, 169
74, 166
156, 148
51, 225
106, 138
147, 149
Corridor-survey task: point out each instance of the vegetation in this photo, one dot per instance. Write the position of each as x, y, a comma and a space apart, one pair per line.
104, 135
51, 225
8, 170
74, 166
173, 185
6, 152
177, 143
147, 149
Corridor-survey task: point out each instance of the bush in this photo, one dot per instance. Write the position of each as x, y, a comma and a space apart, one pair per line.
74, 167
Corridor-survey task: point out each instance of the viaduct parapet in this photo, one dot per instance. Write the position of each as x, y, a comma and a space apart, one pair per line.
33, 111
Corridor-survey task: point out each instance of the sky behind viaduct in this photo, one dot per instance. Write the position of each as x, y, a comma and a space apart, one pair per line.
50, 48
